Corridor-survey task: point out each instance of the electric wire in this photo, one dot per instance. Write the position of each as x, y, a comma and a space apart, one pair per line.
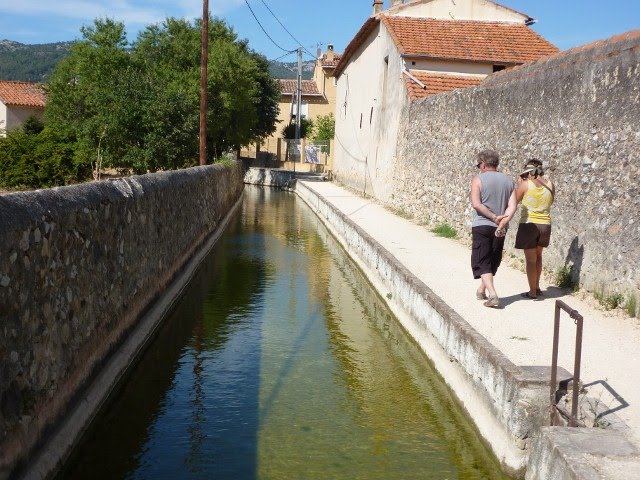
282, 56
265, 32
285, 29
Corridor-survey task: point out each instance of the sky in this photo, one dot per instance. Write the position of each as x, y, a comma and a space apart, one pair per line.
313, 23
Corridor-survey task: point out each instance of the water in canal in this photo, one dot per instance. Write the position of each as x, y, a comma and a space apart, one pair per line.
281, 362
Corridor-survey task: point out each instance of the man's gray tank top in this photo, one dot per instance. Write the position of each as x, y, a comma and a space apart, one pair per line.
495, 190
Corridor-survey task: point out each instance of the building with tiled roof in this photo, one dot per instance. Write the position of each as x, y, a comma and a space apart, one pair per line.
18, 101
290, 87
318, 98
411, 50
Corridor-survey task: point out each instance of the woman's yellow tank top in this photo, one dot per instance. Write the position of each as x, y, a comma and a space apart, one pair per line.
536, 204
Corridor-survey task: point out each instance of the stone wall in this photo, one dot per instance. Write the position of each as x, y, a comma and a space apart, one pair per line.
78, 267
579, 112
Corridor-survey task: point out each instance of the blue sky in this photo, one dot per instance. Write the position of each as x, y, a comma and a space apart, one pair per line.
566, 23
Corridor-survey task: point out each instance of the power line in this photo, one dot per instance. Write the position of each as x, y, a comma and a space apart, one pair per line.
285, 29
265, 32
282, 56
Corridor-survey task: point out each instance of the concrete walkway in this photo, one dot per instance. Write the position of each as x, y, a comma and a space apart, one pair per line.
521, 329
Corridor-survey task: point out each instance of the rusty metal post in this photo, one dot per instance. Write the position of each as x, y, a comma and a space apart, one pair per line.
554, 365
576, 366
203, 82
579, 321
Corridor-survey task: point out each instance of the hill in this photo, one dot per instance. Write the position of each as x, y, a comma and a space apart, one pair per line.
30, 63
290, 69
34, 63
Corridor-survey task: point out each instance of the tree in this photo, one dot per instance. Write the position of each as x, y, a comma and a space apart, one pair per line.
324, 127
139, 102
306, 127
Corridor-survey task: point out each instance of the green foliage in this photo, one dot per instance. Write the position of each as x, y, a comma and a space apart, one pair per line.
324, 127
631, 305
564, 279
445, 230
306, 127
137, 105
43, 159
609, 301
32, 125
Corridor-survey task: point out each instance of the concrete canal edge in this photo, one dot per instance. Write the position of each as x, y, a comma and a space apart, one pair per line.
508, 403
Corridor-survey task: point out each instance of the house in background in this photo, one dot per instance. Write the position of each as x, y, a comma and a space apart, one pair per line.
318, 98
18, 101
409, 51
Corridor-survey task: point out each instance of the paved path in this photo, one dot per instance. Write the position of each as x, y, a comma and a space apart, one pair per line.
522, 329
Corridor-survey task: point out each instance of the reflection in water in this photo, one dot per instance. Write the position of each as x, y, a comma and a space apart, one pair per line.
280, 362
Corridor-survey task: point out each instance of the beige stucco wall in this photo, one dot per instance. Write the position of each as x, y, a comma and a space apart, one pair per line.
459, 10
326, 84
316, 106
365, 151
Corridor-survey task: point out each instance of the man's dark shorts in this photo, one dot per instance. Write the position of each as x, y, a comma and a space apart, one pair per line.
486, 252
532, 235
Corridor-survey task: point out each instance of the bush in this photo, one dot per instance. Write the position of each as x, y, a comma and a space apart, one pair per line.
289, 131
39, 160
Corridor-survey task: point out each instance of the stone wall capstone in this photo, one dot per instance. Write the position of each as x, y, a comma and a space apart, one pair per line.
78, 266
579, 112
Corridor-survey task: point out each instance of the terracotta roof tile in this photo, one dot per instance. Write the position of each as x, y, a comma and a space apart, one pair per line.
509, 43
288, 87
437, 83
326, 63
21, 94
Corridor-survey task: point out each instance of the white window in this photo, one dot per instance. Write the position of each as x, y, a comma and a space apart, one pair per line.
304, 109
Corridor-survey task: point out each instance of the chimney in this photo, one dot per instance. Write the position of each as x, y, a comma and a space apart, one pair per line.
330, 54
377, 6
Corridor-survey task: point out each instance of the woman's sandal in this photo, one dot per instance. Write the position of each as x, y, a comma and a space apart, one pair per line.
538, 292
528, 295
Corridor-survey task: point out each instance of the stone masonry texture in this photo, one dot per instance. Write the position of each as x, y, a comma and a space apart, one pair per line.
579, 112
78, 266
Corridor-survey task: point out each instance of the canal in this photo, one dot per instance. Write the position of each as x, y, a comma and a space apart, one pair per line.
281, 362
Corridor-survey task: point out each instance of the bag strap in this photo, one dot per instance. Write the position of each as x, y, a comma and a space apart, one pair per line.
551, 190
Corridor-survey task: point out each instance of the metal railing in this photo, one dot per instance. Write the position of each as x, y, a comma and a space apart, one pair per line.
557, 411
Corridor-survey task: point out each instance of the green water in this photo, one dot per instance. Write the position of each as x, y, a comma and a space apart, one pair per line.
280, 362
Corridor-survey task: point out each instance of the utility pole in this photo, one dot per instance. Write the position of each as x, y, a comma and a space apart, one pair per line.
203, 82
299, 106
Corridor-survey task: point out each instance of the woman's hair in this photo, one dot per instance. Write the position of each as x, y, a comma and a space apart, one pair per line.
533, 167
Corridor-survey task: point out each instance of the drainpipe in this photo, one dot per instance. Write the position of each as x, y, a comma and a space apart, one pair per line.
406, 72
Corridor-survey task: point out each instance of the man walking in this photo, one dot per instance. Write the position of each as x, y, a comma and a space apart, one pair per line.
492, 192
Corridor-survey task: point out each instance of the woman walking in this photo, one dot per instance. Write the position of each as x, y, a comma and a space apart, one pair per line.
534, 231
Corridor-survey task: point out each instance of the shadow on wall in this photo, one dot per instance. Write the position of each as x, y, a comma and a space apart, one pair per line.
573, 262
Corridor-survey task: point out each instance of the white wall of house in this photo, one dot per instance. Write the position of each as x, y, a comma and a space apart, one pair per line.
370, 98
3, 118
14, 116
458, 10
472, 68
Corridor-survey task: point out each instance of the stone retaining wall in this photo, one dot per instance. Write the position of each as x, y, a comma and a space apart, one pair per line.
579, 112
78, 267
